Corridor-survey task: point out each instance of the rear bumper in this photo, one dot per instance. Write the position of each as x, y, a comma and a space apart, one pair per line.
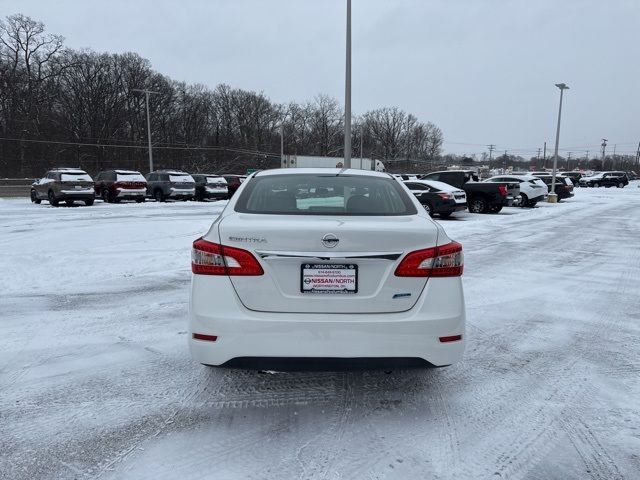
131, 193
76, 195
214, 309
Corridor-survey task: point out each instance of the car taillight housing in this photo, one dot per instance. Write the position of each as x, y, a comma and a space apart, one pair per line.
445, 196
208, 258
503, 190
443, 261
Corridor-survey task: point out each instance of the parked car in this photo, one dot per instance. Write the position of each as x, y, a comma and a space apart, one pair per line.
405, 176
632, 175
606, 179
64, 184
165, 185
532, 189
481, 197
574, 176
117, 185
564, 185
437, 197
210, 187
342, 275
233, 183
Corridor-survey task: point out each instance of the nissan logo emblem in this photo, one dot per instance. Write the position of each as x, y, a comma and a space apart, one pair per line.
330, 240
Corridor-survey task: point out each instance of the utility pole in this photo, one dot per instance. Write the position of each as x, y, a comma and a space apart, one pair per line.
281, 143
614, 156
361, 137
587, 158
491, 148
146, 99
568, 160
538, 156
544, 161
505, 161
638, 155
604, 146
347, 94
553, 197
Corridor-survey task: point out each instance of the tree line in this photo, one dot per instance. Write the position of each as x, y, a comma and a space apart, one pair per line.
65, 107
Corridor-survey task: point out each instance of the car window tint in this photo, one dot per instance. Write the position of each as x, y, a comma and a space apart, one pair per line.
321, 194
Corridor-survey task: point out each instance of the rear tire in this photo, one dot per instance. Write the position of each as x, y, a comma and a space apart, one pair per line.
34, 198
159, 195
52, 199
427, 206
621, 185
478, 205
524, 201
596, 185
105, 195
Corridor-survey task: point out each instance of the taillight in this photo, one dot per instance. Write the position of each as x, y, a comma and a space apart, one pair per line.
208, 258
443, 261
445, 196
503, 190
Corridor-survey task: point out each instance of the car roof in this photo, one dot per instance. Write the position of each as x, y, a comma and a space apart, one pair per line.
125, 171
171, 172
445, 187
321, 171
522, 176
67, 170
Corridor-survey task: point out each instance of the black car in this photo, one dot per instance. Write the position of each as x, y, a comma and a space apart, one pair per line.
564, 185
481, 197
436, 198
210, 187
607, 179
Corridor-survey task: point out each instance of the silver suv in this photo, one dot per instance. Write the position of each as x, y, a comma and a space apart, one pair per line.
170, 184
64, 184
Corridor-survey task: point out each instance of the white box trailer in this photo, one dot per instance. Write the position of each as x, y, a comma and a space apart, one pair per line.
305, 161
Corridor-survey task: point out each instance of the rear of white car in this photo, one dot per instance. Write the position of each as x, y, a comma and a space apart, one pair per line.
319, 263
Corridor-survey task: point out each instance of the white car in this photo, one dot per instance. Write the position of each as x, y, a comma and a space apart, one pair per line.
325, 263
532, 189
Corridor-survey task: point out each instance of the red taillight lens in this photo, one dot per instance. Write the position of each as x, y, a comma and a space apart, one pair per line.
206, 338
450, 338
503, 190
445, 196
208, 258
443, 261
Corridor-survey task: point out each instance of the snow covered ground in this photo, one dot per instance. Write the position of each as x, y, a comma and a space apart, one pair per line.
96, 381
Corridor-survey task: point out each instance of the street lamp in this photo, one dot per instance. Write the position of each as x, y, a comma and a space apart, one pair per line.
553, 197
347, 94
146, 98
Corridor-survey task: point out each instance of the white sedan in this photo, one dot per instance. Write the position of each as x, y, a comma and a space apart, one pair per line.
335, 264
532, 189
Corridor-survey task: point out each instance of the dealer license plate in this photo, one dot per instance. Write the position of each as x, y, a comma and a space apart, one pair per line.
329, 278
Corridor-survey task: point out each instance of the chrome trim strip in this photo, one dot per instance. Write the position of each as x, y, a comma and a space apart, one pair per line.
330, 255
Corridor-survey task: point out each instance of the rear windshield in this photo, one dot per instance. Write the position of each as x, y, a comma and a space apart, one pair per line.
216, 180
130, 177
323, 194
181, 178
75, 177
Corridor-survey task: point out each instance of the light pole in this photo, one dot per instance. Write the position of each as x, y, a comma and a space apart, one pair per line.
553, 197
347, 94
146, 98
604, 147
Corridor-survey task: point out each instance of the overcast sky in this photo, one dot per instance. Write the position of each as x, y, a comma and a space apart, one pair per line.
482, 70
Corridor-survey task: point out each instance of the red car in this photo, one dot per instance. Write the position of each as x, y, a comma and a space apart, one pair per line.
116, 185
233, 182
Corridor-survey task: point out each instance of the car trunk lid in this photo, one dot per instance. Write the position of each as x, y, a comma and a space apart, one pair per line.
356, 250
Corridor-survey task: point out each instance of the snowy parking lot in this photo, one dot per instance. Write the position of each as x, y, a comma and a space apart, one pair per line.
96, 380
